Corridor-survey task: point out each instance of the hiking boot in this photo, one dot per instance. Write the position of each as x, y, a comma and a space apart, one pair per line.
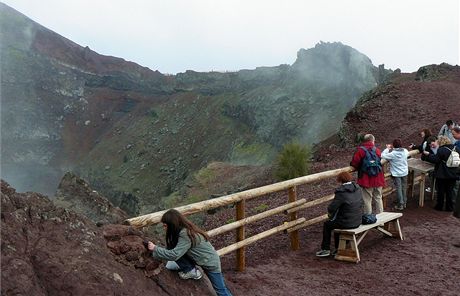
194, 274
323, 253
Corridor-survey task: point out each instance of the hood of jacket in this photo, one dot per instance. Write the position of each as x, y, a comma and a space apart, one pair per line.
347, 187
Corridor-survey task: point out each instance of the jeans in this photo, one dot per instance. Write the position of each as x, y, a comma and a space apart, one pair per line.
218, 283
186, 263
457, 203
401, 184
369, 194
456, 192
216, 278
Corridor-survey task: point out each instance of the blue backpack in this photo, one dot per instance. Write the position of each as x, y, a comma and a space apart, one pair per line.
371, 164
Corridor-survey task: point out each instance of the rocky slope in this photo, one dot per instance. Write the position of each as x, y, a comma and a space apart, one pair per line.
136, 133
75, 194
402, 107
48, 250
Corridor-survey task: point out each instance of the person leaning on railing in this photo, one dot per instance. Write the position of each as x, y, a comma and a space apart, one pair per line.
456, 135
372, 185
188, 246
425, 134
445, 176
397, 157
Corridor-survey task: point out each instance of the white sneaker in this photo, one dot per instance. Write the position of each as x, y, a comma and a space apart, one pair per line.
194, 274
323, 253
428, 189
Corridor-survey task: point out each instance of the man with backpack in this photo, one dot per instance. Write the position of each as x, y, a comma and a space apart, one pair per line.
366, 161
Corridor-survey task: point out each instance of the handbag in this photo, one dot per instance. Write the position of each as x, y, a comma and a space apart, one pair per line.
369, 219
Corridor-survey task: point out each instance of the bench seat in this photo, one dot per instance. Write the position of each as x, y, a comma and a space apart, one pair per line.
349, 239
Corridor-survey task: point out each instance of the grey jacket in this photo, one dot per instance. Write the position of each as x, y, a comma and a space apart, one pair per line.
398, 161
203, 253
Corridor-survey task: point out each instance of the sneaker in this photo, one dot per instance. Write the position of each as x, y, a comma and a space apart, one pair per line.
334, 253
428, 189
399, 207
323, 253
194, 274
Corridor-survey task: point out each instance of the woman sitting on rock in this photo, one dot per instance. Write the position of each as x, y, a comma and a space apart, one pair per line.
189, 246
345, 212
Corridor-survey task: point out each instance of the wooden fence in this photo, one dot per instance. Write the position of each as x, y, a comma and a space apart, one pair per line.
291, 208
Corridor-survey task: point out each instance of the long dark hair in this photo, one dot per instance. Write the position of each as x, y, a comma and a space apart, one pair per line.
175, 222
427, 133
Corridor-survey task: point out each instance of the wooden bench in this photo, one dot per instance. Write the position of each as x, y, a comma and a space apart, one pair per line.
349, 239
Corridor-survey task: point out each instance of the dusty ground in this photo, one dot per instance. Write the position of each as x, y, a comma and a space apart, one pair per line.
426, 262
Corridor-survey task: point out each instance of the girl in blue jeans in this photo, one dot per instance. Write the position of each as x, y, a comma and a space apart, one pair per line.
189, 246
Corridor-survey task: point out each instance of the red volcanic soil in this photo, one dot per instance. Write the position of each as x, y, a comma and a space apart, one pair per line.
426, 262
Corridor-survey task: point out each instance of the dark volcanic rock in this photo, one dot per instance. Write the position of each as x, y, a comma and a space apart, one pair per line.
48, 250
75, 194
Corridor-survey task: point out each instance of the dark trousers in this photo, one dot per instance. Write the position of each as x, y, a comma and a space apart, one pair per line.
186, 263
457, 203
445, 189
328, 227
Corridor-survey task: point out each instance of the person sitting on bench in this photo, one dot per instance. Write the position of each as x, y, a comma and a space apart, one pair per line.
345, 212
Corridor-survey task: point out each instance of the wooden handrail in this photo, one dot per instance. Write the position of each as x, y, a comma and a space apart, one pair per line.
259, 236
291, 208
307, 223
251, 219
153, 218
312, 203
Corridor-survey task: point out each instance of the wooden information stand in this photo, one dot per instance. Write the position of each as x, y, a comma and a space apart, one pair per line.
418, 166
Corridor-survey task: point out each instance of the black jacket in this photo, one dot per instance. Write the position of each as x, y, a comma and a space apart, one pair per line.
346, 208
420, 147
441, 171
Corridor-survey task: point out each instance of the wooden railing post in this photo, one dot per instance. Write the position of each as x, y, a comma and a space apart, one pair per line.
240, 236
295, 244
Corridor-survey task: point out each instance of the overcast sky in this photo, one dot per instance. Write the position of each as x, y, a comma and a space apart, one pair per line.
203, 35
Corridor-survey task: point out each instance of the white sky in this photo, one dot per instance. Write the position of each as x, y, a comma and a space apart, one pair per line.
203, 35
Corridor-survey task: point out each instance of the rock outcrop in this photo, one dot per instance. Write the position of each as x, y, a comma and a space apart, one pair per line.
75, 194
48, 250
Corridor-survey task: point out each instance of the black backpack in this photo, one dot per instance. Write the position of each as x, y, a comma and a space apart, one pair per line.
371, 164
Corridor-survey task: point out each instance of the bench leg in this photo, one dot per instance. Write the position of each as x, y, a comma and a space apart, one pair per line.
348, 248
392, 228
